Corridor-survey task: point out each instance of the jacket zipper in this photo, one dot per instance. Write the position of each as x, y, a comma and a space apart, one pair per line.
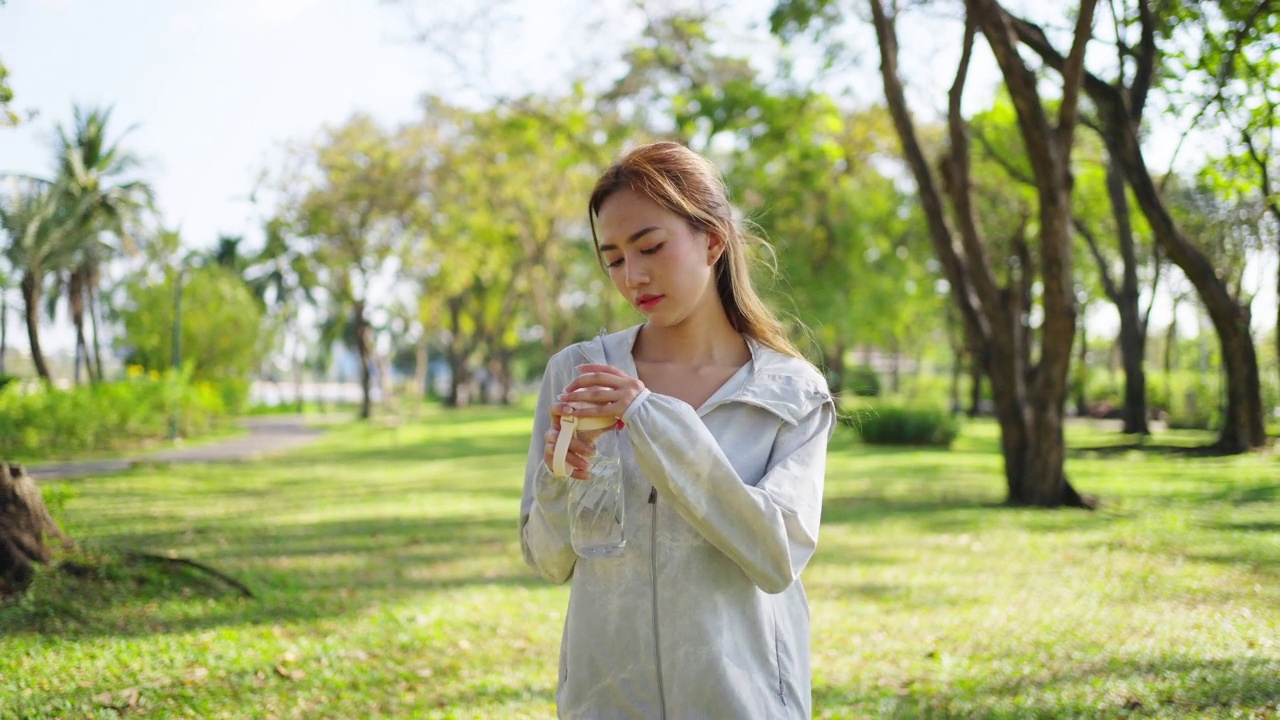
653, 567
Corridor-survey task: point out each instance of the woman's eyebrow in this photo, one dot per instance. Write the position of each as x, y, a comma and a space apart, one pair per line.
634, 237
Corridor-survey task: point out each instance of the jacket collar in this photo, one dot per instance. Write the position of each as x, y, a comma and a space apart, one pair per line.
785, 386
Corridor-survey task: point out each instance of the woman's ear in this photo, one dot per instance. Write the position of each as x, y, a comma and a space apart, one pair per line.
715, 248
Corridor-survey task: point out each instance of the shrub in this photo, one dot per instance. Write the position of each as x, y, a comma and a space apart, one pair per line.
1189, 400
863, 381
896, 425
49, 422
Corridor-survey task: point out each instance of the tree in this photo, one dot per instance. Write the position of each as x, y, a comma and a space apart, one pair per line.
221, 342
42, 221
1101, 208
1029, 396
96, 173
1120, 106
355, 198
1234, 72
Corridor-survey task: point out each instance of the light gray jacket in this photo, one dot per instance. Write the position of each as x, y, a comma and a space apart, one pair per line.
703, 615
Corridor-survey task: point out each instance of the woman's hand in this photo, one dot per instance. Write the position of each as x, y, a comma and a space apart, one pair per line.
578, 459
609, 390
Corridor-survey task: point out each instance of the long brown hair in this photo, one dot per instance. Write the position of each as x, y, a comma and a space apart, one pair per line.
687, 184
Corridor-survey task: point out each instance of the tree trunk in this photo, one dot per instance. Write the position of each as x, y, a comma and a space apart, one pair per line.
957, 370
97, 338
458, 376
1133, 341
976, 364
420, 365
363, 349
836, 368
31, 302
1243, 427
75, 298
4, 328
504, 377
25, 529
894, 371
1133, 327
1082, 372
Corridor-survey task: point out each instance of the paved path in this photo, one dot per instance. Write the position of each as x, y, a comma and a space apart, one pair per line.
267, 435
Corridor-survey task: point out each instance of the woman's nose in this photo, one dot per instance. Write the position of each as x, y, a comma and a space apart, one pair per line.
636, 275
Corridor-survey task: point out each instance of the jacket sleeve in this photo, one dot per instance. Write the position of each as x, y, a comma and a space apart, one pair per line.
544, 505
770, 530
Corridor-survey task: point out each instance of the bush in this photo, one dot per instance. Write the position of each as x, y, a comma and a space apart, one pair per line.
1188, 399
863, 381
896, 425
49, 422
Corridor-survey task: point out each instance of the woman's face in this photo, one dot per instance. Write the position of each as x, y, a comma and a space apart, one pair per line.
663, 267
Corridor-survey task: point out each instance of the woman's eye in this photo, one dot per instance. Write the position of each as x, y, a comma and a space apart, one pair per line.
652, 250
613, 263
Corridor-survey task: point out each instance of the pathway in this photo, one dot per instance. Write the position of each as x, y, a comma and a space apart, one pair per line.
266, 435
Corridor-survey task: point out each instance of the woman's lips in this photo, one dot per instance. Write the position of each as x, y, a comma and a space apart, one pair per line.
648, 302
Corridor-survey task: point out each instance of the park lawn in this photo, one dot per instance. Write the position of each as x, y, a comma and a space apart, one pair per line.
388, 583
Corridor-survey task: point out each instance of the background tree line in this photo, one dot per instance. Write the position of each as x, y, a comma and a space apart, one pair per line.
976, 240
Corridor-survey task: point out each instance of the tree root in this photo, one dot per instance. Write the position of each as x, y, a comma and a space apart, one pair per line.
184, 562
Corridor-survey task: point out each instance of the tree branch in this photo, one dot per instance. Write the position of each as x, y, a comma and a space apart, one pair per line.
1146, 58
1072, 74
1108, 284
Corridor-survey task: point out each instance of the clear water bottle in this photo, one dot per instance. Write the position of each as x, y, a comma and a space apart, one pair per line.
596, 504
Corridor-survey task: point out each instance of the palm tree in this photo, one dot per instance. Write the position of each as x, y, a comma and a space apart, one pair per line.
95, 174
41, 221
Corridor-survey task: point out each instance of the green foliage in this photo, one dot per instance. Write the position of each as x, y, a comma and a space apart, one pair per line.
7, 116
864, 381
48, 422
221, 339
903, 425
1191, 400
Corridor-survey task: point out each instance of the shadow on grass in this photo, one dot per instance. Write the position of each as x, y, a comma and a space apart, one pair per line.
296, 572
1170, 450
1183, 686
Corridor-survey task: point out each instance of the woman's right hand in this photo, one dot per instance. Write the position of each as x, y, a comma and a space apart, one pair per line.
578, 459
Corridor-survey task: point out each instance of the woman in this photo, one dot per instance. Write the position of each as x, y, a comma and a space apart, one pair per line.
723, 456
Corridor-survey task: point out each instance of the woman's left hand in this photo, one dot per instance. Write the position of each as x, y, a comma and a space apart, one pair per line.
608, 388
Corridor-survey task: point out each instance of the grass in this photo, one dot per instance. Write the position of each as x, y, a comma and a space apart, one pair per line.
388, 583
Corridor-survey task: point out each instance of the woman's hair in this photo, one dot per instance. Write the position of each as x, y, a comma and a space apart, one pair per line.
687, 184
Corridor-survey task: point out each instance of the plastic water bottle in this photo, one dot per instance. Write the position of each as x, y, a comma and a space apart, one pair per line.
596, 507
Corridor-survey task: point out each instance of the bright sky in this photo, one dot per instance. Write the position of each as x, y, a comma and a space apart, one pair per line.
212, 88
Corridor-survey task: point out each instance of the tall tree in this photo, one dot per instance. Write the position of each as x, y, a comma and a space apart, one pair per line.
42, 224
357, 193
1120, 106
1100, 208
1029, 396
1233, 74
97, 175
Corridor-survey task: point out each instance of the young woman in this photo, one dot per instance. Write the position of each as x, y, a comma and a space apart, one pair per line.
723, 455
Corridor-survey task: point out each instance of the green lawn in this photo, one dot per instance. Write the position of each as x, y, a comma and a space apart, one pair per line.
388, 583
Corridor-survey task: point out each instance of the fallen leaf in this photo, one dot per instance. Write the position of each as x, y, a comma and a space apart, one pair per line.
288, 674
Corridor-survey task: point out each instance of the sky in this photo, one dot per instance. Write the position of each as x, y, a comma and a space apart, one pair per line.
210, 91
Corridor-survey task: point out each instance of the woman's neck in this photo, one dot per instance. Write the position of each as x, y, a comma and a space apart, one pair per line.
707, 340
